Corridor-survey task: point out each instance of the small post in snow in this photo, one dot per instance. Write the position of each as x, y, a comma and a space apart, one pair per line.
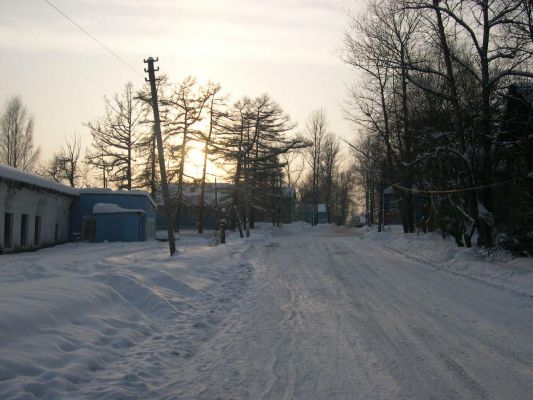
222, 223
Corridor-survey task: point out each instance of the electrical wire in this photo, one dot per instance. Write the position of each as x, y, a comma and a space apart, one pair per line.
449, 191
93, 37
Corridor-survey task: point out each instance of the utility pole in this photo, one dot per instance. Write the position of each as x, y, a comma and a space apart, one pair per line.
157, 130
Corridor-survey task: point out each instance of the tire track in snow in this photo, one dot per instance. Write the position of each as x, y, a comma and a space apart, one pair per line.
336, 318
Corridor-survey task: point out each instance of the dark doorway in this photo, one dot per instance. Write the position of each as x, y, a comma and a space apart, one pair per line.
88, 228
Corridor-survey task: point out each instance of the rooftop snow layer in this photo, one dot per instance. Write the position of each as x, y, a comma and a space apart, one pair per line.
28, 178
15, 174
117, 192
108, 208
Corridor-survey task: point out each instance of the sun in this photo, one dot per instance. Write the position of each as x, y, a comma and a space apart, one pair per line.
194, 163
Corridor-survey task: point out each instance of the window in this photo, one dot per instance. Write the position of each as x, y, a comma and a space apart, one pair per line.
24, 230
56, 233
8, 230
37, 231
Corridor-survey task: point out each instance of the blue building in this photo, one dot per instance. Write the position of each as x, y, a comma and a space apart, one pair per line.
115, 216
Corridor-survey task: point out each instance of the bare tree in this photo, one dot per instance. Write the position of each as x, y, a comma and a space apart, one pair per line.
183, 110
344, 187
255, 135
293, 167
329, 170
215, 116
316, 131
66, 165
115, 136
431, 103
495, 33
17, 148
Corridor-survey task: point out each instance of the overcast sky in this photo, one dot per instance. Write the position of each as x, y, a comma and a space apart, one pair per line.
287, 48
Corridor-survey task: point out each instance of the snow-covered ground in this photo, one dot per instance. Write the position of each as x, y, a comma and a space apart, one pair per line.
498, 268
291, 313
112, 320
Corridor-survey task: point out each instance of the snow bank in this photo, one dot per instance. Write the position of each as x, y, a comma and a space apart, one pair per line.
499, 268
113, 320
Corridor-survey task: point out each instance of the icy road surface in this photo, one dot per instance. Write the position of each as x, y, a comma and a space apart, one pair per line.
339, 318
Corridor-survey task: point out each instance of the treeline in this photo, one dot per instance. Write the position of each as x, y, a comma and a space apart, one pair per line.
252, 141
329, 178
444, 108
247, 139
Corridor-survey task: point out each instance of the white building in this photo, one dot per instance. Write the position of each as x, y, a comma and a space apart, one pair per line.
34, 212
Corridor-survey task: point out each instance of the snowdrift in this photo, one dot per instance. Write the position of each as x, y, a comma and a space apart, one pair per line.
88, 320
499, 268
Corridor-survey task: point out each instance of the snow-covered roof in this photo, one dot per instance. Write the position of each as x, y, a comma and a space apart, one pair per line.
14, 174
192, 192
321, 208
111, 208
104, 191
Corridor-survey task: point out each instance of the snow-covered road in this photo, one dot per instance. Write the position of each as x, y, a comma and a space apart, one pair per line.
293, 313
336, 317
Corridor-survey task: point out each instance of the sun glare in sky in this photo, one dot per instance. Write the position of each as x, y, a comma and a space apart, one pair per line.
288, 49
195, 161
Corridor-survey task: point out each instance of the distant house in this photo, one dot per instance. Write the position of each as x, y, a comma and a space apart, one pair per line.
304, 212
36, 212
218, 196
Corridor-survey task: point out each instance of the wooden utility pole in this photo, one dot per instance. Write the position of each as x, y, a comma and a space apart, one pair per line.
157, 130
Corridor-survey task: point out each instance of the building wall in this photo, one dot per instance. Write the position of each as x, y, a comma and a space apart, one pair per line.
119, 227
52, 208
86, 201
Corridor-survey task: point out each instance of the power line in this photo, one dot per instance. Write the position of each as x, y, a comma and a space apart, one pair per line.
93, 38
449, 191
